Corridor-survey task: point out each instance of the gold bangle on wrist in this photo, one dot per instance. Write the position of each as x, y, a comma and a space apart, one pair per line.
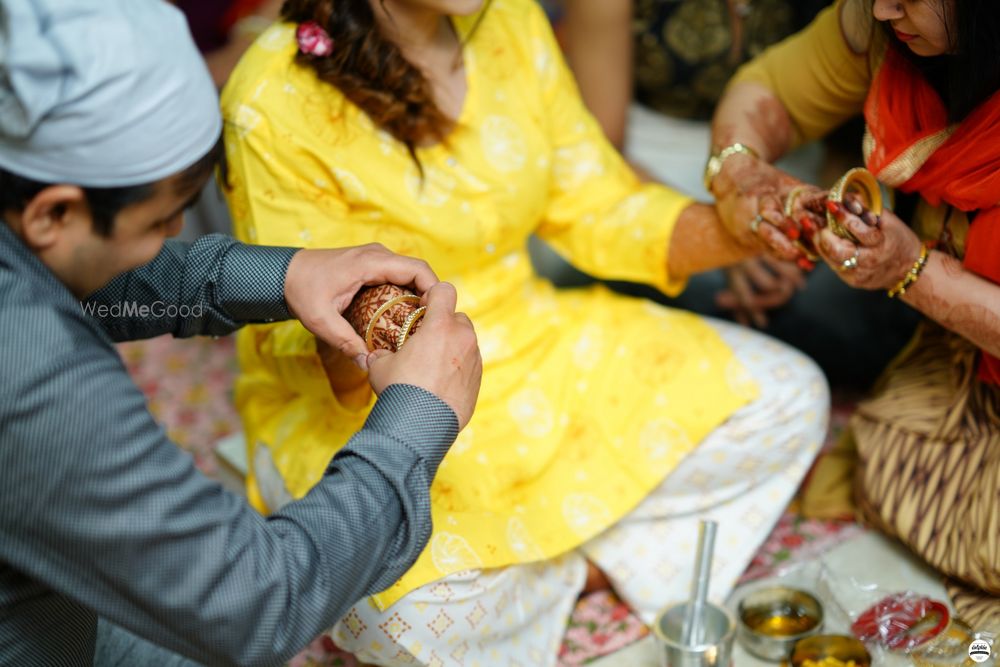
911, 275
714, 164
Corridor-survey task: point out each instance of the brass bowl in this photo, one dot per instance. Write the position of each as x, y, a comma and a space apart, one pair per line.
844, 648
857, 181
772, 620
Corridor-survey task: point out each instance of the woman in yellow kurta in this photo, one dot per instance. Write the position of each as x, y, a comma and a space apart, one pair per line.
589, 400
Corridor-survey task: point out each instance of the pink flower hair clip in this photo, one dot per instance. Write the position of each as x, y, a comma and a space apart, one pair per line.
313, 39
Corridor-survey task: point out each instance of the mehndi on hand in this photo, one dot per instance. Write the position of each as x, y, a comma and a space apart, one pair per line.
385, 316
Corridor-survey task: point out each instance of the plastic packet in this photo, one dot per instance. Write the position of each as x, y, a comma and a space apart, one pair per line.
905, 627
898, 627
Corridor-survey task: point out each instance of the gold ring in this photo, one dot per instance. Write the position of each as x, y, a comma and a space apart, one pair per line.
755, 223
863, 182
408, 324
370, 329
851, 262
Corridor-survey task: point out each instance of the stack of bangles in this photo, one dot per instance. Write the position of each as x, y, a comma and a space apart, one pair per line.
405, 329
385, 316
911, 275
902, 622
919, 627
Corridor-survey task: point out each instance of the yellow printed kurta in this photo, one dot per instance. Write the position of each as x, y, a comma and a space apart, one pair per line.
589, 399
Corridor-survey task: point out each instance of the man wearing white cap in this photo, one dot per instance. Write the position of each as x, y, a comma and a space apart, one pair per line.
109, 125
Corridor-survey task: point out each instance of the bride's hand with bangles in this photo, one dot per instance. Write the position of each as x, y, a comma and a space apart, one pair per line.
750, 197
885, 251
764, 283
805, 217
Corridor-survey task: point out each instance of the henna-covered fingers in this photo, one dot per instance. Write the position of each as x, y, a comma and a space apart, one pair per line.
739, 299
778, 242
851, 262
894, 249
849, 215
834, 249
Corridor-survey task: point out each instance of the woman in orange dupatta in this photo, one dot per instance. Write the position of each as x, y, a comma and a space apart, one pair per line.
926, 75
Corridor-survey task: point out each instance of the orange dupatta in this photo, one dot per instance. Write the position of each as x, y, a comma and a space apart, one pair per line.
909, 145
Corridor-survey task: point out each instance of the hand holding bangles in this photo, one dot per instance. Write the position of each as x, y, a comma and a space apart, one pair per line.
750, 197
868, 247
443, 358
807, 210
385, 316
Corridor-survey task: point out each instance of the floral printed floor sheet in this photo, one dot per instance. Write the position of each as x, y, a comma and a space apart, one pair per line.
188, 384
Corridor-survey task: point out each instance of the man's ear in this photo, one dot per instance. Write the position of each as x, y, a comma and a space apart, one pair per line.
50, 213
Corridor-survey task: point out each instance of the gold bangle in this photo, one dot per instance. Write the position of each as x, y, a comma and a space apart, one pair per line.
408, 324
792, 197
715, 161
370, 329
911, 275
861, 180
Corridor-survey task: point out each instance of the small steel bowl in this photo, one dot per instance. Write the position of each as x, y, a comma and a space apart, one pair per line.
843, 648
772, 620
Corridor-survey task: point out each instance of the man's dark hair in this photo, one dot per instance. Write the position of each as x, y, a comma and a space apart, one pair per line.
105, 203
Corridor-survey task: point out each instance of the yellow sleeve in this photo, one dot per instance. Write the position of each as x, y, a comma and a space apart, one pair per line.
819, 78
599, 216
271, 170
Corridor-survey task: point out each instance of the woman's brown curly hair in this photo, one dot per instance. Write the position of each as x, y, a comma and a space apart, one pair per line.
370, 70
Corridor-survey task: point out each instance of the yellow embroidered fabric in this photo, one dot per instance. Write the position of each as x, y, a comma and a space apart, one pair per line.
589, 399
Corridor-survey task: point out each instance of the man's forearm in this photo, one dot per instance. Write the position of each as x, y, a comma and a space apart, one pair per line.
117, 518
210, 287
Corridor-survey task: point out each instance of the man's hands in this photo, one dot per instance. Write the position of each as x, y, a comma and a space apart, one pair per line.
441, 357
320, 284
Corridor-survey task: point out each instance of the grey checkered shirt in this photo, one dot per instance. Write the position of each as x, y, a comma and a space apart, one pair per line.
101, 515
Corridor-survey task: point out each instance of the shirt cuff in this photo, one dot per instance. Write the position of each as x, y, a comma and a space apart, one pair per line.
418, 419
252, 285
